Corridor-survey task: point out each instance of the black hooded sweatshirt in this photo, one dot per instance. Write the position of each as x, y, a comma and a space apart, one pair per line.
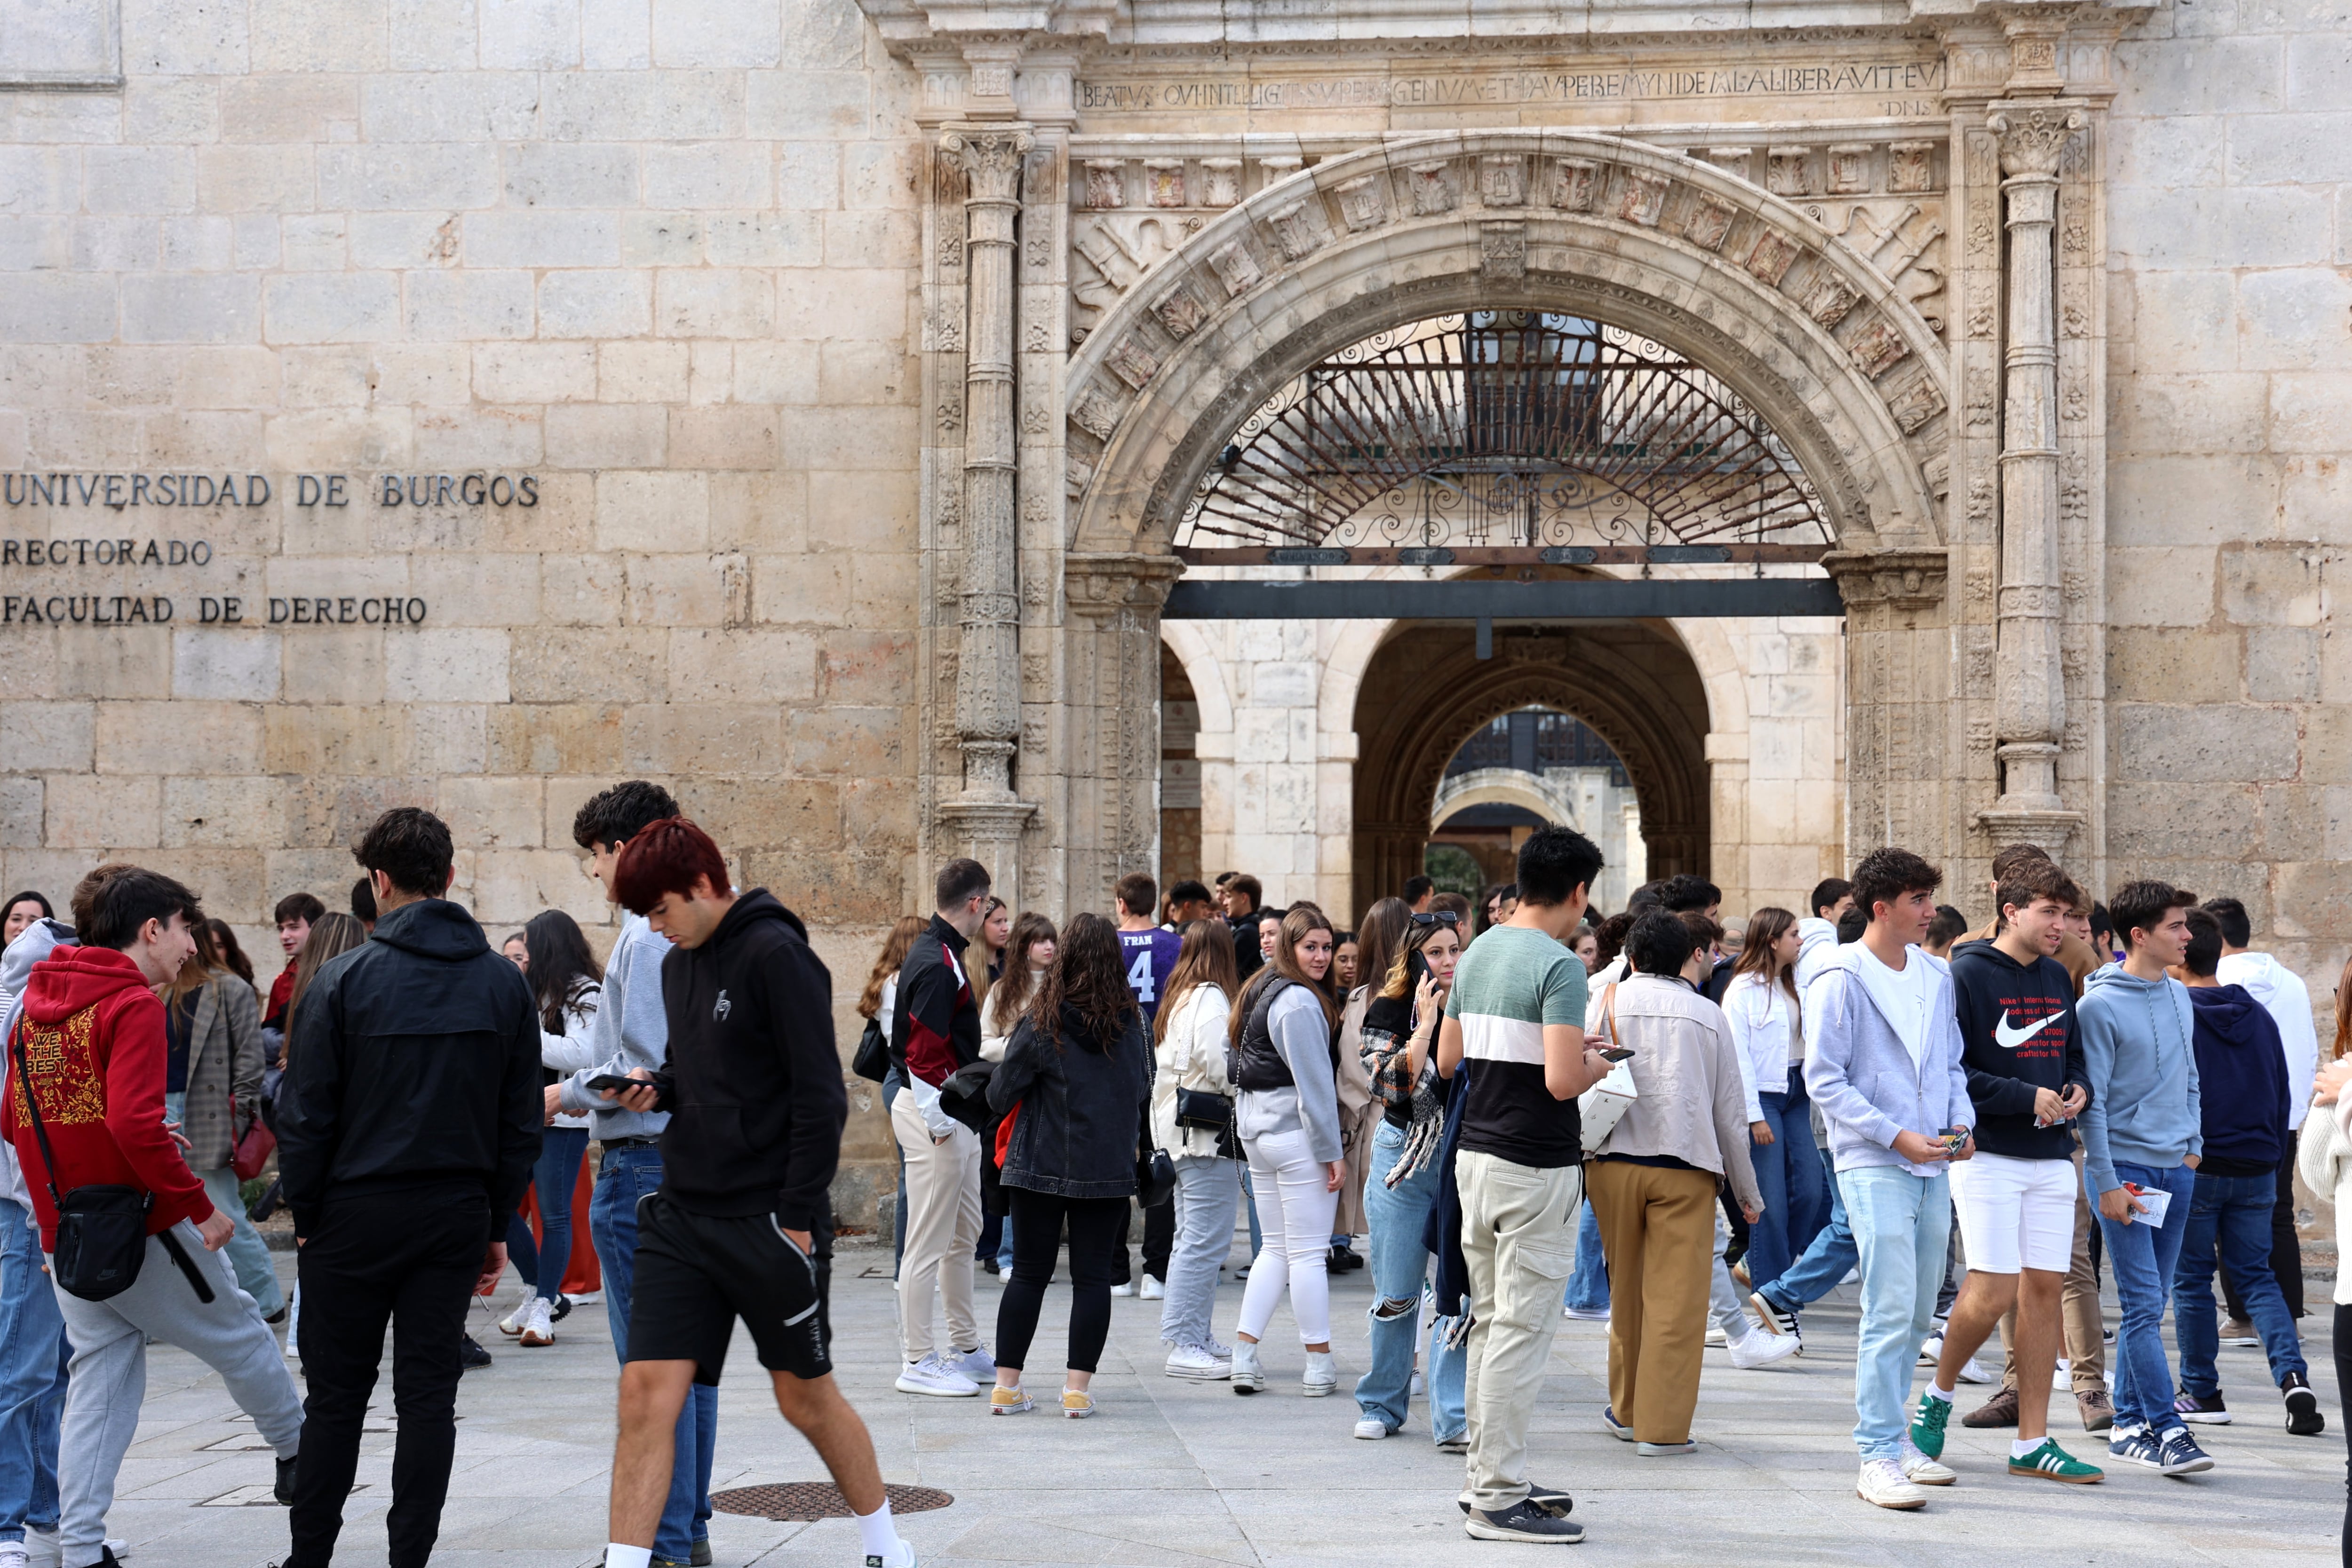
415, 1061
753, 1088
2018, 1034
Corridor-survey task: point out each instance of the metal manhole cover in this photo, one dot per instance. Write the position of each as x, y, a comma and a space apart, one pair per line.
818, 1500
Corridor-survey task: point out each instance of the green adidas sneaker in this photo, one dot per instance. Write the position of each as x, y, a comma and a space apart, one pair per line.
2054, 1462
1927, 1426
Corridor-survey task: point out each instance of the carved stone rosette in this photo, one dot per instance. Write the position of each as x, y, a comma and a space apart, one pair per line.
1114, 603
988, 669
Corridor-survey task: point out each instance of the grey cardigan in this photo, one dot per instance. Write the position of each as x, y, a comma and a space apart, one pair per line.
1691, 1101
224, 1058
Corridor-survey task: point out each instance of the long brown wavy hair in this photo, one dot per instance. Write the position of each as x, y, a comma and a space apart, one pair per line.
1766, 927
894, 956
332, 935
1010, 998
1295, 925
1088, 980
1387, 929
2343, 1011
1206, 958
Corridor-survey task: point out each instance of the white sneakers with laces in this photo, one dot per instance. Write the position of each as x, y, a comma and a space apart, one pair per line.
1883, 1483
935, 1375
538, 1327
1759, 1347
1152, 1289
1199, 1364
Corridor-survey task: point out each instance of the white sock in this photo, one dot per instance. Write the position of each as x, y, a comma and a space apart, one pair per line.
619, 1556
1943, 1394
878, 1536
2018, 1448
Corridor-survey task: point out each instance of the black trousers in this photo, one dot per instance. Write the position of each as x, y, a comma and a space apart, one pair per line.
1159, 1241
2344, 1394
409, 1257
1037, 1237
2286, 1249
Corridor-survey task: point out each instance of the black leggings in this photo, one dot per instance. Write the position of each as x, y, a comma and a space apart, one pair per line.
1037, 1237
2344, 1395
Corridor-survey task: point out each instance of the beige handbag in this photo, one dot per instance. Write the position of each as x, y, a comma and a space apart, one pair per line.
1601, 1107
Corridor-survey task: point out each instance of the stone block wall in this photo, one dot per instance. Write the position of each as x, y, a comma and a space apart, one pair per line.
2231, 471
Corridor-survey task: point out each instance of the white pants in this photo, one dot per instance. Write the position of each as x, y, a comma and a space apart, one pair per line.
1294, 1215
2015, 1213
943, 1231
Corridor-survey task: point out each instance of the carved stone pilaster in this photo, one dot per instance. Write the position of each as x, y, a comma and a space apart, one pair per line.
1899, 675
2029, 688
988, 812
1114, 601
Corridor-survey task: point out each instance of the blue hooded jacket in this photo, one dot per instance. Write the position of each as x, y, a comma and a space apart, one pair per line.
2144, 1105
2241, 1083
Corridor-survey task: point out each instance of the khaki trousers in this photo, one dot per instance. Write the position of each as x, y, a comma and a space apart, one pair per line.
2087, 1356
1520, 1245
943, 1231
1657, 1228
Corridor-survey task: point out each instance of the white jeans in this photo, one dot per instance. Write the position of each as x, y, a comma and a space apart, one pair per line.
1293, 1214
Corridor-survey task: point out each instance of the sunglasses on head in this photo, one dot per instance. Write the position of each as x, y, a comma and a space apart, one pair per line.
1437, 918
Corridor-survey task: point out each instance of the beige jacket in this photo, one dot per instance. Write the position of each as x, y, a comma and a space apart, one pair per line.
1690, 1101
1360, 1118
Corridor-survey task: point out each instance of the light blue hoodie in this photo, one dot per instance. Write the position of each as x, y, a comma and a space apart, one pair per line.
1859, 1072
2138, 1053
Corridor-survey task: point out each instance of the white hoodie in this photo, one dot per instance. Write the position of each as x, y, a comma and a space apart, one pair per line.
34, 944
2283, 995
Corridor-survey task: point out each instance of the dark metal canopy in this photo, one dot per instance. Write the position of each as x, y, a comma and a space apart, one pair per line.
1545, 600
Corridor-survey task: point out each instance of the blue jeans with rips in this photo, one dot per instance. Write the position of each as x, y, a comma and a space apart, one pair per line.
32, 1358
2143, 1259
1902, 1223
1789, 1175
1588, 1288
1399, 1265
627, 1176
2231, 1215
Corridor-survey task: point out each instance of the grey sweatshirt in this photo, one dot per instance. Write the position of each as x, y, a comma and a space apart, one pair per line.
2139, 1055
630, 1030
1858, 1070
1311, 1103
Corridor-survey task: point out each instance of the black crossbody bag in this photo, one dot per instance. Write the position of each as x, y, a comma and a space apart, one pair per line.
101, 1230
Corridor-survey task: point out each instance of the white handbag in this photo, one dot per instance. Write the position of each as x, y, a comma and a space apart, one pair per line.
1601, 1107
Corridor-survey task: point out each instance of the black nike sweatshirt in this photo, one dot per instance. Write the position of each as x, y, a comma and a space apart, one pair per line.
753, 1089
2018, 1034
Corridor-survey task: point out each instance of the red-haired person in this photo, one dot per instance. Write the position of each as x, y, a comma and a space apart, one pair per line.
754, 1097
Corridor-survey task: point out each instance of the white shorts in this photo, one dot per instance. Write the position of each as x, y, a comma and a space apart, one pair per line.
2015, 1213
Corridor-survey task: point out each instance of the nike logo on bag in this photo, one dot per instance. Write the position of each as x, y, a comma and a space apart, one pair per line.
2008, 1036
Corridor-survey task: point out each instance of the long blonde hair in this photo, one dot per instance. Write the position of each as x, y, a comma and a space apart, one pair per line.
332, 935
894, 956
1206, 958
1302, 920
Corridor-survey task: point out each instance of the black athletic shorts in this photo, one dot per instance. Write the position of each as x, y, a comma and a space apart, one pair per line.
696, 1274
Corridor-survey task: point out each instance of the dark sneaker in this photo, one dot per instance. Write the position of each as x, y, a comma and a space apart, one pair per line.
284, 1490
2303, 1416
2054, 1462
2001, 1410
1551, 1499
1523, 1520
1774, 1319
561, 1311
2098, 1410
2180, 1456
2203, 1409
471, 1355
700, 1556
1927, 1425
1617, 1429
2135, 1447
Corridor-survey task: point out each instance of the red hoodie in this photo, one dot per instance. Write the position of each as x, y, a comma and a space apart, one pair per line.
94, 1047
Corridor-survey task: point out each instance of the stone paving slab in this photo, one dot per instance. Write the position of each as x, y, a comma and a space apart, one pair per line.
1181, 1475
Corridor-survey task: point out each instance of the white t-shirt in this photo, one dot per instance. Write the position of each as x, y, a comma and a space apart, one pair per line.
1901, 994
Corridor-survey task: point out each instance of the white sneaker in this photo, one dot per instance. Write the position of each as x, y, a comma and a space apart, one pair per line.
932, 1375
974, 1364
1372, 1429
538, 1330
1931, 1350
1757, 1348
511, 1324
12, 1554
1585, 1314
1926, 1472
1126, 1290
1150, 1289
1199, 1363
1420, 1384
1973, 1373
1716, 1337
1883, 1482
1320, 1376
1248, 1377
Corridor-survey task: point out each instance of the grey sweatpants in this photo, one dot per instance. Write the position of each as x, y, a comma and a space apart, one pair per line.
107, 1376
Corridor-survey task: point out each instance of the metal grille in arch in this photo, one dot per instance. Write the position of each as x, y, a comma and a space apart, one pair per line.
1503, 430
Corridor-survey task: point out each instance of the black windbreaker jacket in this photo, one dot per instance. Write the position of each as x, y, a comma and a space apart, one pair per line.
414, 1059
753, 1089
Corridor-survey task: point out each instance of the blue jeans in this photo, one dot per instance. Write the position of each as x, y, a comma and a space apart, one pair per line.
2143, 1259
33, 1357
1399, 1265
1789, 1175
628, 1176
1902, 1223
1588, 1288
560, 1152
1823, 1265
2231, 1215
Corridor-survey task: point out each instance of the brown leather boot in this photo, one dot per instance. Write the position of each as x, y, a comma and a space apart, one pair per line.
2001, 1410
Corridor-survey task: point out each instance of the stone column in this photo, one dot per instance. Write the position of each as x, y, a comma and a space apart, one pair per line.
2029, 687
988, 814
1899, 680
1113, 653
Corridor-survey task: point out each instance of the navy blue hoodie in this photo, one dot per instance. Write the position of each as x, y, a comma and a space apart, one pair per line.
2242, 1068
2018, 1035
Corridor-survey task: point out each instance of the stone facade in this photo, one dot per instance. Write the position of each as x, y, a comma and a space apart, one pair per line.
795, 402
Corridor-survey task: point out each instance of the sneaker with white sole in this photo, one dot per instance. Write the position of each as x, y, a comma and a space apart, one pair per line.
1247, 1376
1883, 1482
934, 1376
1128, 1289
2135, 1446
2204, 1409
539, 1328
1321, 1377
974, 1364
2303, 1416
1971, 1371
1523, 1520
511, 1324
1372, 1429
1585, 1314
1771, 1319
1199, 1363
1757, 1348
1665, 1451
1010, 1402
1150, 1289
2178, 1455
1616, 1428
2056, 1463
1931, 1348
12, 1554
1919, 1469
1715, 1337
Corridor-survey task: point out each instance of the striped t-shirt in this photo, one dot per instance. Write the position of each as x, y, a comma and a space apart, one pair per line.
1512, 982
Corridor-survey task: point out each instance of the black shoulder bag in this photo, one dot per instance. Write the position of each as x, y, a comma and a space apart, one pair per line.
872, 1058
101, 1230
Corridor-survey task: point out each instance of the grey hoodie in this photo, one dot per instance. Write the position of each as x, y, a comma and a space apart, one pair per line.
34, 944
2138, 1051
1859, 1072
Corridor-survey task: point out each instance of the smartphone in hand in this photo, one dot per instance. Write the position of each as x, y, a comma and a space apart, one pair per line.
617, 1083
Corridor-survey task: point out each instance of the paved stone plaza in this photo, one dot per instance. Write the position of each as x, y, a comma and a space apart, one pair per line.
1169, 1473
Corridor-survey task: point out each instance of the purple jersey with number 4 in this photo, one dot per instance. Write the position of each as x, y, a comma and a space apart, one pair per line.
1148, 956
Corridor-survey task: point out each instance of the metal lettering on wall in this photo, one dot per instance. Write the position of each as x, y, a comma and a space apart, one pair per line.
119, 492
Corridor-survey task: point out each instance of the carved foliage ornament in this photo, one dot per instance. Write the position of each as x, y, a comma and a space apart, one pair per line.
990, 157
1709, 224
2033, 139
